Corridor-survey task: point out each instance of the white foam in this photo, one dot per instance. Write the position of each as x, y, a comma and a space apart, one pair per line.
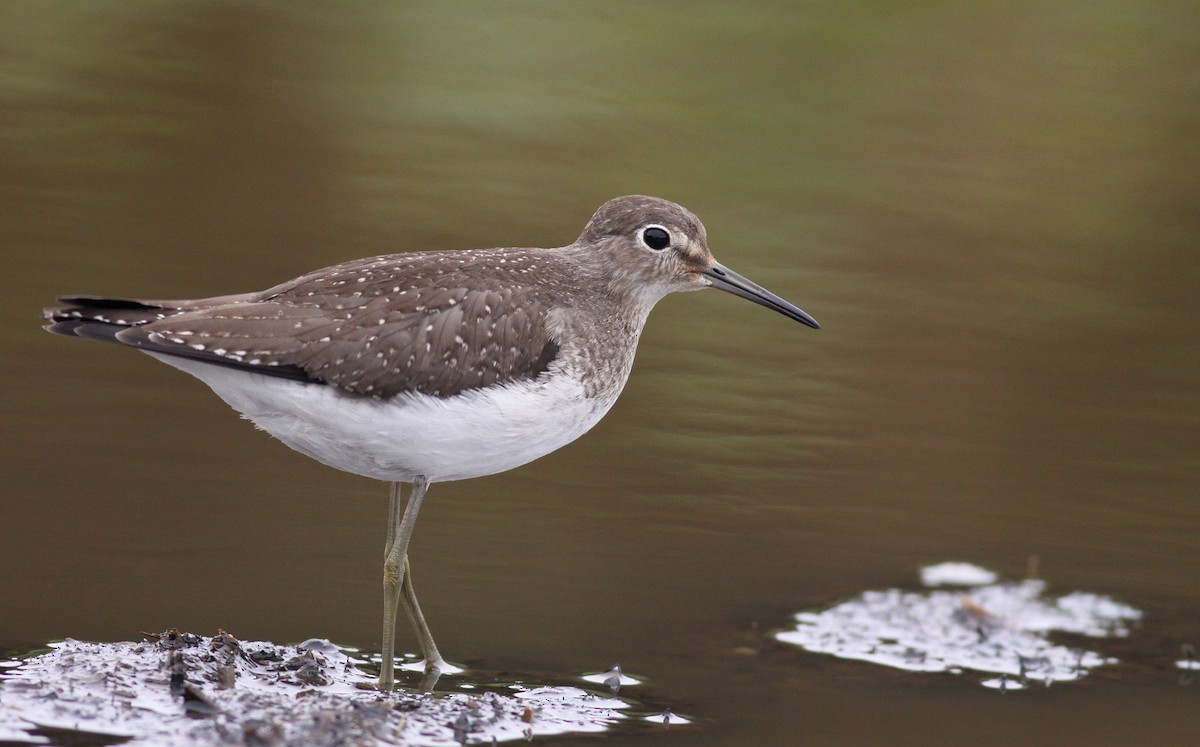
956, 574
1001, 628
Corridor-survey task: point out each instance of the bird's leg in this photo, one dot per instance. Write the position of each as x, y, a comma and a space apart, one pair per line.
434, 663
433, 659
390, 597
395, 564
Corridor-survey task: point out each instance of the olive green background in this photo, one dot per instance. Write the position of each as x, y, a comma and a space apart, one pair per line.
992, 208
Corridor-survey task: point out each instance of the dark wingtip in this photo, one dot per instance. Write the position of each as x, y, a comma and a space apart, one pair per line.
66, 329
98, 317
102, 302
86, 328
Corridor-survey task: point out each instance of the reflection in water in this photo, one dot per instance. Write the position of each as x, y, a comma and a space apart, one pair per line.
614, 679
991, 209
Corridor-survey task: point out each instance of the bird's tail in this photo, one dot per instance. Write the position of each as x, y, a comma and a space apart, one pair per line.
99, 318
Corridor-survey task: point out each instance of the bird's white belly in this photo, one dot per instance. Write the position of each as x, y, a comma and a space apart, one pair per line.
479, 432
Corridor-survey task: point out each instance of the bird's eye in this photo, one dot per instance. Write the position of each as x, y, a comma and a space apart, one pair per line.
656, 238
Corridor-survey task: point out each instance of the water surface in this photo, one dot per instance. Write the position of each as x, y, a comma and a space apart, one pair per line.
991, 210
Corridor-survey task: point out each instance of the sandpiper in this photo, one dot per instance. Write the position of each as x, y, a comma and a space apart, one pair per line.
427, 367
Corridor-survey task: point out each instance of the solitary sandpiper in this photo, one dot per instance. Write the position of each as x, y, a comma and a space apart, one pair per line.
433, 366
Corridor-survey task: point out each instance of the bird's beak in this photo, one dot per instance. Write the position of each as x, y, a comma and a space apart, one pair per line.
727, 280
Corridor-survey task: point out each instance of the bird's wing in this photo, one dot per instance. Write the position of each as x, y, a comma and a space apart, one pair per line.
434, 324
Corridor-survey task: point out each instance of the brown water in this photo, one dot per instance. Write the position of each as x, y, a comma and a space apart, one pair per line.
993, 212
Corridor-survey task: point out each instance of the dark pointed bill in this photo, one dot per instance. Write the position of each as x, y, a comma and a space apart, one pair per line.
727, 280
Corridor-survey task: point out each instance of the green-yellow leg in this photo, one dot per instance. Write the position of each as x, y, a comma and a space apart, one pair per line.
397, 585
434, 663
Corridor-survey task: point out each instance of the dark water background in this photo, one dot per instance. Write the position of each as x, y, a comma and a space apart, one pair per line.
992, 208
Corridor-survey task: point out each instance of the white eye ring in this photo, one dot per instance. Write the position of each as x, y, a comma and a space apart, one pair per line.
654, 237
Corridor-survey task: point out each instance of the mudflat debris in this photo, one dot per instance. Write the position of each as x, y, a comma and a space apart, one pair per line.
182, 689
